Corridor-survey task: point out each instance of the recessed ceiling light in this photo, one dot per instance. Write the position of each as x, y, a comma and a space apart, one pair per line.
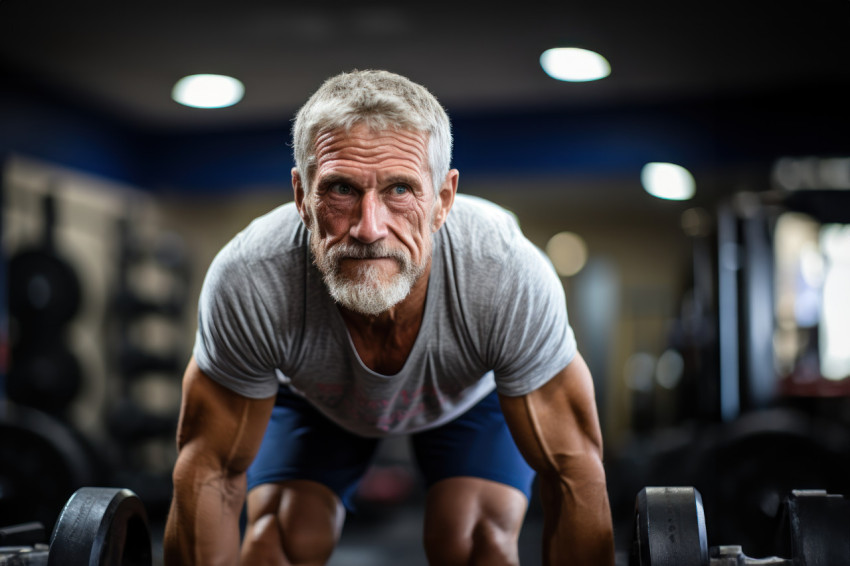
574, 64
668, 181
208, 91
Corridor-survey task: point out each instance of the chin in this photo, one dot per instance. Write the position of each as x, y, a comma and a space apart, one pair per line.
370, 294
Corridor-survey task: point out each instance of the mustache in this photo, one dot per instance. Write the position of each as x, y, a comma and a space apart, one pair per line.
355, 250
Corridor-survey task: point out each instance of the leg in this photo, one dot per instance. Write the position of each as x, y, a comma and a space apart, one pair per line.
472, 521
479, 486
303, 477
292, 523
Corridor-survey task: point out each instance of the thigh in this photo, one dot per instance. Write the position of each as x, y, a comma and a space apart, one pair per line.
477, 444
302, 444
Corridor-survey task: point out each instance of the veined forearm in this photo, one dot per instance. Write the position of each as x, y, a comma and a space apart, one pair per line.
557, 430
203, 524
577, 526
217, 438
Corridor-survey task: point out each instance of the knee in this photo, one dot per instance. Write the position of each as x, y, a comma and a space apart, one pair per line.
268, 542
492, 544
486, 543
309, 542
298, 524
473, 521
445, 545
262, 541
310, 518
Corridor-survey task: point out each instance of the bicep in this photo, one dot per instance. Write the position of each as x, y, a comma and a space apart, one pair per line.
219, 428
556, 427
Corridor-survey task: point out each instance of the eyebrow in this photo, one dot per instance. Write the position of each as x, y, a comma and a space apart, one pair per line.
399, 179
332, 178
402, 180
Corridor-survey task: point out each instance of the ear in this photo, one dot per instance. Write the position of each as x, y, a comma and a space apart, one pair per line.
445, 199
300, 195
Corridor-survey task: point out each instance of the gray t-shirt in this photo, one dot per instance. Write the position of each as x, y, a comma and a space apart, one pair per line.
495, 316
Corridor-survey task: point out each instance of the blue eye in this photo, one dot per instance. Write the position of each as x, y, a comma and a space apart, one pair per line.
341, 188
399, 189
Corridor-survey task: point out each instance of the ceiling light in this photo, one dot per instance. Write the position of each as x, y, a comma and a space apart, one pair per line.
208, 91
668, 181
574, 64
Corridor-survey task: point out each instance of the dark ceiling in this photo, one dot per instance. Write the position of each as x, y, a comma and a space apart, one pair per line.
125, 56
711, 85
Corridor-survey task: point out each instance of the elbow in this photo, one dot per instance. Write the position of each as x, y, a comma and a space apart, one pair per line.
196, 467
577, 479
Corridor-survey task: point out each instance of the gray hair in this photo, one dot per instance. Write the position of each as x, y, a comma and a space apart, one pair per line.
381, 100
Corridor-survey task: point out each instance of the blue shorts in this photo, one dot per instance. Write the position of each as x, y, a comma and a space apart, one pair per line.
301, 443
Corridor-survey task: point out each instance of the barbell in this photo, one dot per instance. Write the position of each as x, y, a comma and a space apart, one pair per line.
97, 527
670, 530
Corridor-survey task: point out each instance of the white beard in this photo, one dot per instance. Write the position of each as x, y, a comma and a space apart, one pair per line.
368, 294
365, 292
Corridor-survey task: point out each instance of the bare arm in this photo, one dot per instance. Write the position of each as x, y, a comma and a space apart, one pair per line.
218, 437
557, 430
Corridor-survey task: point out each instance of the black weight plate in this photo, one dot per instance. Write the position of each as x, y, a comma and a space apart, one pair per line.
46, 376
43, 288
819, 528
101, 527
755, 464
669, 528
42, 462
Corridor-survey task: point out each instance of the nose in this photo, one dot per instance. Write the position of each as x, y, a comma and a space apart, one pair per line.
370, 219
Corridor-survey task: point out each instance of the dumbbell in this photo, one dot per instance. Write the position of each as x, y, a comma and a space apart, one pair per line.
97, 527
670, 530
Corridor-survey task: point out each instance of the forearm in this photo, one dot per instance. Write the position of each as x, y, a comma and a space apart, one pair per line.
218, 436
203, 523
577, 527
557, 430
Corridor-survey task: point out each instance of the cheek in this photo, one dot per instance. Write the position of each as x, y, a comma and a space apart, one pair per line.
325, 222
419, 226
425, 219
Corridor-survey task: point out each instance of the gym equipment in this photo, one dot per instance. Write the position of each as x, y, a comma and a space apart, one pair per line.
745, 469
45, 375
42, 462
97, 527
45, 294
143, 308
44, 290
670, 530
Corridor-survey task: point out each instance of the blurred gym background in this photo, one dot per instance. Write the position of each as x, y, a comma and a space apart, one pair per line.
717, 327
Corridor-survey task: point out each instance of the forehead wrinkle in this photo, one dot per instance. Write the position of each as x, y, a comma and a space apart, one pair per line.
403, 151
364, 140
338, 149
385, 159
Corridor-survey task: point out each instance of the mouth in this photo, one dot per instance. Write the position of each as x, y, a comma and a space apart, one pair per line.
363, 261
376, 258
356, 260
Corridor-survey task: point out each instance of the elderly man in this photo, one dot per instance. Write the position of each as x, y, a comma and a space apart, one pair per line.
382, 303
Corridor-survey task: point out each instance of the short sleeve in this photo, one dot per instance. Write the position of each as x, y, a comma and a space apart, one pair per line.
530, 339
235, 344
